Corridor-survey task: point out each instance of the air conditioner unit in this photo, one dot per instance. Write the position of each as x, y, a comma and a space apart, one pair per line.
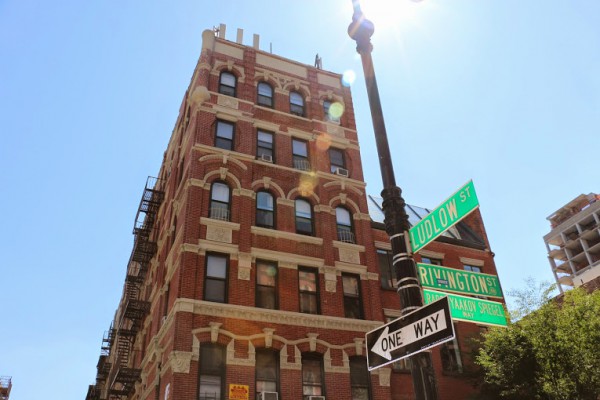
341, 171
267, 396
266, 158
316, 397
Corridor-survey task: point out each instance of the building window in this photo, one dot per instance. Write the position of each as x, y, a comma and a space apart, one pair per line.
352, 299
224, 135
264, 147
386, 269
212, 372
219, 201
215, 283
359, 378
312, 376
296, 104
472, 268
432, 261
267, 370
451, 359
300, 155
266, 284
265, 210
336, 159
304, 223
227, 84
344, 225
265, 94
329, 116
308, 285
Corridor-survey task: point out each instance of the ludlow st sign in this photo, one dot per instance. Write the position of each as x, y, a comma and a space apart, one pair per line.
447, 214
419, 330
469, 309
459, 281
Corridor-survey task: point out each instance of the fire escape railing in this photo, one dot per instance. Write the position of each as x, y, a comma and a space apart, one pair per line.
117, 372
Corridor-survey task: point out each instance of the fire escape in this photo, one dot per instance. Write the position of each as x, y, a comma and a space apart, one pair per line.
117, 369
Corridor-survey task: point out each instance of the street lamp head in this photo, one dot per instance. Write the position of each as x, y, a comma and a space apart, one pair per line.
361, 30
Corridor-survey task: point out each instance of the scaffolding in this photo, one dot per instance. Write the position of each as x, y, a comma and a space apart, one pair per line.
117, 369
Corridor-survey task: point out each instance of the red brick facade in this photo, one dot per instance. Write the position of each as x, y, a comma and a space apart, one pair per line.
180, 323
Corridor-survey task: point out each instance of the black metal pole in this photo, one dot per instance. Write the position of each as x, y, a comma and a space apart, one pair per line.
396, 219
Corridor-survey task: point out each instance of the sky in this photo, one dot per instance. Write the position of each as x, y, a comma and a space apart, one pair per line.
506, 93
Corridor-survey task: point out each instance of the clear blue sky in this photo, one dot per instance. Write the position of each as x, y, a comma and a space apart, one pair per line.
506, 93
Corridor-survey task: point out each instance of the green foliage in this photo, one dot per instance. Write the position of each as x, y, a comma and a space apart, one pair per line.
552, 353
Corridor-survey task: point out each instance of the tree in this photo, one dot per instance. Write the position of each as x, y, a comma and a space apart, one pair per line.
552, 353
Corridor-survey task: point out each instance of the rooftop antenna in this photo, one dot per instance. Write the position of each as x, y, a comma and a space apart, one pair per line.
216, 30
271, 47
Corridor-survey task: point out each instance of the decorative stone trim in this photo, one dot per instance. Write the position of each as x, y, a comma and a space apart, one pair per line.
244, 266
386, 246
384, 376
352, 268
293, 259
372, 276
301, 134
330, 274
286, 235
180, 361
219, 310
349, 256
227, 101
472, 261
431, 254
345, 183
359, 344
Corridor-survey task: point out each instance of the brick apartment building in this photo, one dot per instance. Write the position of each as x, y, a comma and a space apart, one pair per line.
259, 260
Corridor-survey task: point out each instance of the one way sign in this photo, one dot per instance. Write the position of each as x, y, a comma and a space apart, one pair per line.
424, 328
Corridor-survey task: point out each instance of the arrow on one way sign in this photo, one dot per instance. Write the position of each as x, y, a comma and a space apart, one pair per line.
414, 332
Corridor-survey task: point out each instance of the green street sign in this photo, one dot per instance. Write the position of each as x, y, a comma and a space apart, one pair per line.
444, 216
469, 309
459, 281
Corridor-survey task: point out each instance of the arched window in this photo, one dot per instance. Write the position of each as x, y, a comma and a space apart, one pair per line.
265, 210
267, 370
343, 222
227, 83
327, 111
304, 223
220, 201
313, 382
265, 94
296, 104
359, 378
212, 372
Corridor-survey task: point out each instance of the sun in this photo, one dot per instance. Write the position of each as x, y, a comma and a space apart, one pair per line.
397, 14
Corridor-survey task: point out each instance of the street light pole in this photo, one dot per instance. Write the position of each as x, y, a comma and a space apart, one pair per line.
396, 219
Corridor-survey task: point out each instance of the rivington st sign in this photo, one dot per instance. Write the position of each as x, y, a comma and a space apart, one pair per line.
459, 281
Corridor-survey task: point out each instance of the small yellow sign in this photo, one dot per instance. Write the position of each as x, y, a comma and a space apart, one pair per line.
238, 392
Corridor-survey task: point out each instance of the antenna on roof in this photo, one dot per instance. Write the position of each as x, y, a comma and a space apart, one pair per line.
216, 30
318, 62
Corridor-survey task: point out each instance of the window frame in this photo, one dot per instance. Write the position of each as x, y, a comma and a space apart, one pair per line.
208, 278
297, 108
214, 370
452, 349
213, 202
334, 165
304, 218
261, 98
343, 229
260, 150
387, 273
219, 138
225, 88
432, 260
362, 373
275, 355
313, 358
300, 161
266, 288
310, 293
355, 299
326, 116
259, 210
472, 268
